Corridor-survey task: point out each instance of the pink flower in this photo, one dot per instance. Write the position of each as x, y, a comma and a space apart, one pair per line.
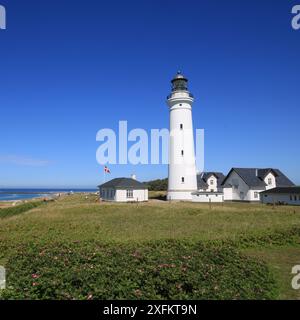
35, 276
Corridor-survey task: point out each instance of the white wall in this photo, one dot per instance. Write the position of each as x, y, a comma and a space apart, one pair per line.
138, 195
121, 195
227, 194
181, 139
284, 198
242, 192
180, 195
207, 197
238, 186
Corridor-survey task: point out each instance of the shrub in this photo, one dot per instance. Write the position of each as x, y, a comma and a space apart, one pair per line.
155, 270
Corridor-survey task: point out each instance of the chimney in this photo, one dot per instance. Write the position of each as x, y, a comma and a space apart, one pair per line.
133, 176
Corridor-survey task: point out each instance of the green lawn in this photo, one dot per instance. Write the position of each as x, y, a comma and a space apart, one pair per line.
280, 260
268, 236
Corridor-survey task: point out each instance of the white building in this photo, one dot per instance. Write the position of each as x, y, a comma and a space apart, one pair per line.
245, 184
209, 185
182, 163
123, 190
285, 195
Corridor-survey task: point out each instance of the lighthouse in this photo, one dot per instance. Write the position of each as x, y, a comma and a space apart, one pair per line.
182, 163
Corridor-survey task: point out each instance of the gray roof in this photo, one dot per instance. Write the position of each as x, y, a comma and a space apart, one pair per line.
123, 183
203, 177
254, 177
285, 190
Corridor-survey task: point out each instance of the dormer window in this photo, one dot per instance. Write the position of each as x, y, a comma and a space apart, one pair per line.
270, 181
211, 182
181, 126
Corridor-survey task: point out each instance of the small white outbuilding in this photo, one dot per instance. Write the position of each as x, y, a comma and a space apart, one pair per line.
287, 195
123, 190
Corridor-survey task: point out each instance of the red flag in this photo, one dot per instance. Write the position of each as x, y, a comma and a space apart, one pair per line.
106, 170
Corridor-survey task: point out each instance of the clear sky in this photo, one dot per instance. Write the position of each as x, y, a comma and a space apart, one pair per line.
69, 68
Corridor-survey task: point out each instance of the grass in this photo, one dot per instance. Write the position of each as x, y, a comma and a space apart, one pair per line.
280, 260
83, 224
16, 210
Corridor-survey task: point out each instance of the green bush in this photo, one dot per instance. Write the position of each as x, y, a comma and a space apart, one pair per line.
155, 270
157, 185
12, 211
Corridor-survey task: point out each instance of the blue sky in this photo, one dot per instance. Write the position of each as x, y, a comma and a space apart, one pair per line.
69, 68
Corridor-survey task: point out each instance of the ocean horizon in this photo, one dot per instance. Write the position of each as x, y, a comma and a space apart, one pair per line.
14, 194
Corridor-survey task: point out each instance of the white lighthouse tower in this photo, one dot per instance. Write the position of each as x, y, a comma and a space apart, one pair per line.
182, 162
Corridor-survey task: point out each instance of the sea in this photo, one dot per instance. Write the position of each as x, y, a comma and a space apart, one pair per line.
26, 194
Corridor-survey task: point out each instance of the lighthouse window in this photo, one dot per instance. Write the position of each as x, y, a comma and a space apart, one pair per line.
182, 179
181, 126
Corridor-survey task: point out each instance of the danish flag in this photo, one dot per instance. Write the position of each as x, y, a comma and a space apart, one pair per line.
106, 170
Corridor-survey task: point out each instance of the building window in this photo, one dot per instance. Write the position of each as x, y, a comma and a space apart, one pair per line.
291, 197
255, 195
181, 126
182, 152
129, 194
211, 182
295, 198
269, 181
242, 195
212, 190
182, 179
180, 104
112, 193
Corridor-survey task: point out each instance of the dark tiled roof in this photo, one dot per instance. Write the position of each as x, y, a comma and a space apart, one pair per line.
203, 177
201, 184
254, 177
288, 190
282, 180
123, 183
